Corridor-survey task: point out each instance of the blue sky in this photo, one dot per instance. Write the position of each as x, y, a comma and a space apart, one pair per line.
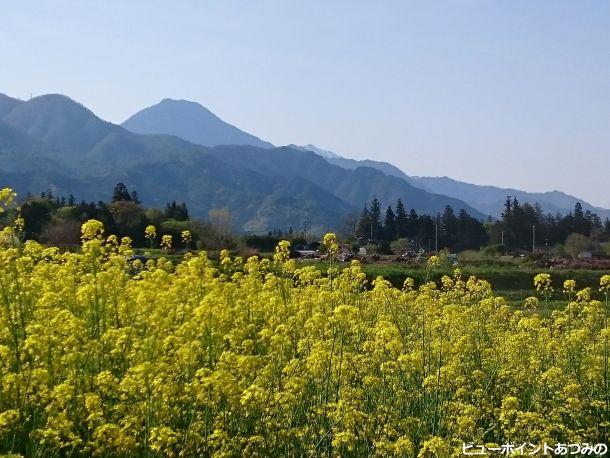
511, 93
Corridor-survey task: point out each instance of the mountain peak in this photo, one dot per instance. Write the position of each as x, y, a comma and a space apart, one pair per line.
60, 122
54, 97
182, 103
54, 104
192, 122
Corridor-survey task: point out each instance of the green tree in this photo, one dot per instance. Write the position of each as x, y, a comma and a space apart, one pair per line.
576, 244
179, 212
448, 228
120, 193
36, 214
389, 224
402, 223
375, 218
364, 223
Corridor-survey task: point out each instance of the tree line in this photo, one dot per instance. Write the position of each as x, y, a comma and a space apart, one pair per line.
446, 230
57, 220
523, 226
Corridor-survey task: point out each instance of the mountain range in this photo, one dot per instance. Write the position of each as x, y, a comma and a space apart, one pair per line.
488, 200
54, 142
179, 150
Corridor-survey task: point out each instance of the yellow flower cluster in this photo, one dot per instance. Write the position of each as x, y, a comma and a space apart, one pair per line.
91, 229
266, 358
569, 286
330, 243
433, 261
543, 282
186, 237
150, 232
7, 196
604, 283
166, 242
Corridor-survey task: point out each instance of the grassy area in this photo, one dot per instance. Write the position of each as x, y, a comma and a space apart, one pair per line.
509, 280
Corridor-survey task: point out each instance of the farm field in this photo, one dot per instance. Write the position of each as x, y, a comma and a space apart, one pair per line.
266, 357
511, 281
508, 279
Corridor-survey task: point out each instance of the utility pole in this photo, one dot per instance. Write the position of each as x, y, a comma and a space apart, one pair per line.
436, 237
503, 247
533, 239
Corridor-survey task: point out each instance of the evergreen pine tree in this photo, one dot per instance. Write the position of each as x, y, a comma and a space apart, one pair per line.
375, 219
120, 193
448, 228
402, 223
413, 223
364, 223
389, 225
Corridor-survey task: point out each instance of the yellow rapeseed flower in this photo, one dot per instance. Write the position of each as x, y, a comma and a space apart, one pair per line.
107, 357
166, 242
150, 232
542, 282
433, 261
92, 229
604, 283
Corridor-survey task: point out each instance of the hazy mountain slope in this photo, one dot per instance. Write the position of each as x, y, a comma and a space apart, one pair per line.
28, 165
352, 186
190, 121
490, 199
19, 152
53, 142
58, 128
15, 143
7, 104
60, 122
182, 118
257, 203
351, 164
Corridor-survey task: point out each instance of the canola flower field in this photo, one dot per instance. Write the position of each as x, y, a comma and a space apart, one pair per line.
100, 356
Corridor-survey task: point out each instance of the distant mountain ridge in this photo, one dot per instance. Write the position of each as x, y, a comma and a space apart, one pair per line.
53, 142
314, 149
354, 186
489, 200
161, 167
351, 164
189, 121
